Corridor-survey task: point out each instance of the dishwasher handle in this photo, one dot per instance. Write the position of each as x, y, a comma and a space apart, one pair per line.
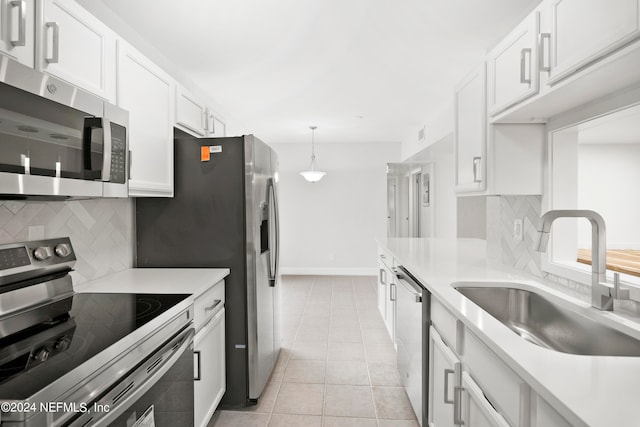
410, 283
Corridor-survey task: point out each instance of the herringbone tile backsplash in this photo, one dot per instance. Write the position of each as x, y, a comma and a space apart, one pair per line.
101, 231
520, 253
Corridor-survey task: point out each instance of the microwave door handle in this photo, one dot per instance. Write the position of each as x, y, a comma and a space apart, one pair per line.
107, 149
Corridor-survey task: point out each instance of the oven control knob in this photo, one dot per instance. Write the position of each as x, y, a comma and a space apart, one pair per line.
42, 355
42, 253
63, 250
62, 344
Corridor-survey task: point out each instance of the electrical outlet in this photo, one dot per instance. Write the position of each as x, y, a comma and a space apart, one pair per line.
517, 229
332, 257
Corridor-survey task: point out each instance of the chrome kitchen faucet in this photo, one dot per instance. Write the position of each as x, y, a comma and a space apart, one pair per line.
602, 294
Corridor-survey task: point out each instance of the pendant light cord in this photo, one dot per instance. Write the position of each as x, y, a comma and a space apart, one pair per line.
313, 152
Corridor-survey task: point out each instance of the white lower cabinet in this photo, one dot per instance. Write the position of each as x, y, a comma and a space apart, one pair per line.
390, 305
470, 386
545, 416
210, 383
382, 290
507, 392
387, 292
476, 409
444, 383
209, 351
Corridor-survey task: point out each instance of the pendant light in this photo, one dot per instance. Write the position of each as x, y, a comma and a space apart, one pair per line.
313, 175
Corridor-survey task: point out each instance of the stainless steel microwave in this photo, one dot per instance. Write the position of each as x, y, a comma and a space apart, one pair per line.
56, 141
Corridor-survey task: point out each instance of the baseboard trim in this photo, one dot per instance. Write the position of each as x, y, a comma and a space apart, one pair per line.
324, 271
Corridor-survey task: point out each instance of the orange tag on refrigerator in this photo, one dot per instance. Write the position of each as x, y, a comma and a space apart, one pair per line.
205, 154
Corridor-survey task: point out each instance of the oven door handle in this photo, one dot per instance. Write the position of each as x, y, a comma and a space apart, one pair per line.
137, 383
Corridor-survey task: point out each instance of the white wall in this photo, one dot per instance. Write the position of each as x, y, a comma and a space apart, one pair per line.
437, 126
341, 215
608, 175
444, 203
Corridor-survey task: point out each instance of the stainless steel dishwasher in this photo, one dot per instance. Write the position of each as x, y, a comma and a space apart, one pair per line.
412, 329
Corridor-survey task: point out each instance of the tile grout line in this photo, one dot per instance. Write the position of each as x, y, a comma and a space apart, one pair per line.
275, 398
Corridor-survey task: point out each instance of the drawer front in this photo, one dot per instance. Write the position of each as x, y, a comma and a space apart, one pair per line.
207, 304
505, 390
476, 409
445, 323
385, 258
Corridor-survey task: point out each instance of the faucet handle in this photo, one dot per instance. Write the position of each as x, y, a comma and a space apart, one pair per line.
618, 291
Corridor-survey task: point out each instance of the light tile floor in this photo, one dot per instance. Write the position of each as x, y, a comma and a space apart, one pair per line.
337, 363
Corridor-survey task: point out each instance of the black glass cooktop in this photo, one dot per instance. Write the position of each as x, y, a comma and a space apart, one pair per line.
81, 327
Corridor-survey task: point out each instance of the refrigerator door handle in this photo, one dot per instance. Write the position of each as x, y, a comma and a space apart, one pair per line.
274, 252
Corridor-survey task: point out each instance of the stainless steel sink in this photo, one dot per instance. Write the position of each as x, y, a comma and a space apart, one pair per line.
542, 322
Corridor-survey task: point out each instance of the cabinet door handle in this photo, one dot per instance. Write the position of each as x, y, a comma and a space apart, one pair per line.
457, 406
204, 118
392, 293
214, 305
22, 22
383, 274
55, 43
545, 51
476, 169
199, 365
447, 372
524, 53
211, 125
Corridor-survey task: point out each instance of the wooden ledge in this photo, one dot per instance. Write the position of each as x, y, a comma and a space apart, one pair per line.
625, 261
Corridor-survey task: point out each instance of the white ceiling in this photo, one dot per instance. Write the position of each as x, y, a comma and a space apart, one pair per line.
360, 70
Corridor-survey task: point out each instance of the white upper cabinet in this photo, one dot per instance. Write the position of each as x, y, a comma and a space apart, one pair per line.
191, 112
493, 158
581, 50
148, 93
583, 31
194, 117
470, 132
215, 126
513, 66
73, 45
17, 20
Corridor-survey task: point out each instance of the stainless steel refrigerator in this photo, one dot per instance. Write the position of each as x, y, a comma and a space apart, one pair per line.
224, 213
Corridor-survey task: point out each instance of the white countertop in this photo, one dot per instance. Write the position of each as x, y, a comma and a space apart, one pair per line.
192, 281
586, 390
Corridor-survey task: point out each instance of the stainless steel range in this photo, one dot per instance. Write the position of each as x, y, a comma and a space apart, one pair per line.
88, 359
